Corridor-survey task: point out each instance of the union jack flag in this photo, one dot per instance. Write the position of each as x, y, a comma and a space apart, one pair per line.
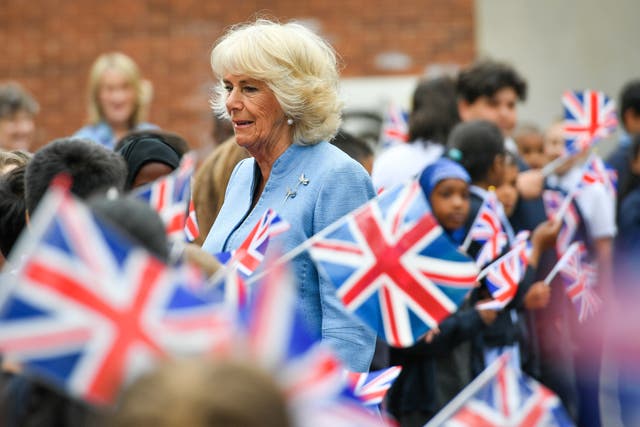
86, 310
393, 265
505, 397
170, 196
488, 230
579, 278
250, 253
371, 387
589, 116
504, 275
191, 229
595, 171
395, 126
278, 339
552, 200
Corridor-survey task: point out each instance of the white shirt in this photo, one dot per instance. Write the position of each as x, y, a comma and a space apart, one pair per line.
597, 206
403, 162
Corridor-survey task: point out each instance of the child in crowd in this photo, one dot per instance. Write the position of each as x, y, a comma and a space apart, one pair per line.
92, 169
530, 142
595, 206
433, 114
149, 156
490, 90
413, 399
479, 147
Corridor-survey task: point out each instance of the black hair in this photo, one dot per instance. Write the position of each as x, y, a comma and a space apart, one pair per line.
629, 99
92, 168
12, 208
475, 145
486, 78
356, 148
137, 220
175, 141
434, 110
141, 148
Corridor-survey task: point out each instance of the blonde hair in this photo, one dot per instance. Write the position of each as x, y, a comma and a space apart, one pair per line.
210, 183
125, 65
297, 65
200, 393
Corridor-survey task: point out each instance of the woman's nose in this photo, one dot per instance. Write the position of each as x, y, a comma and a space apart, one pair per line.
233, 100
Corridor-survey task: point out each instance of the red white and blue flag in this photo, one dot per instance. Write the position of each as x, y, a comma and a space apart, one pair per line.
170, 196
371, 387
250, 254
595, 171
395, 127
503, 276
553, 200
505, 397
487, 229
87, 310
394, 266
589, 116
579, 279
278, 339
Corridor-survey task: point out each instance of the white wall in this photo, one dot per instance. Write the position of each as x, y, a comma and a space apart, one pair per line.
562, 44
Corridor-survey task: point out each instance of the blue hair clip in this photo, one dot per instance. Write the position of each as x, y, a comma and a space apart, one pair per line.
455, 154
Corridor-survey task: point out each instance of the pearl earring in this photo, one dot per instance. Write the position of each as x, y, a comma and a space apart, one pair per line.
290, 122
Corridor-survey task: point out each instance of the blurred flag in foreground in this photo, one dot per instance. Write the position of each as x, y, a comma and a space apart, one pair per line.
87, 310
503, 396
170, 196
393, 265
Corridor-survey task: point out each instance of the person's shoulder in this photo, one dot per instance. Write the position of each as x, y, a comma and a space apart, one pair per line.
327, 156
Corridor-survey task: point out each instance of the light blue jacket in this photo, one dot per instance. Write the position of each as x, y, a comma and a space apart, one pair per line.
336, 185
102, 134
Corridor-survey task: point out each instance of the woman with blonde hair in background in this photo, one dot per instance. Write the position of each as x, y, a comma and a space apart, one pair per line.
118, 100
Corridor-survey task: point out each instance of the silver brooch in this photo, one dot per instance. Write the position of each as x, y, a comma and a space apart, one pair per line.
292, 193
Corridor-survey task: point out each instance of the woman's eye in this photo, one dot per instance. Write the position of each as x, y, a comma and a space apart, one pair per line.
250, 89
228, 89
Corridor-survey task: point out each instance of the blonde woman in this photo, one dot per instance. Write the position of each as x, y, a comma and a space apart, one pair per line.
278, 84
118, 98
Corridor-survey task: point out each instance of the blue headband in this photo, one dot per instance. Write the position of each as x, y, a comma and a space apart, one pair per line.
441, 169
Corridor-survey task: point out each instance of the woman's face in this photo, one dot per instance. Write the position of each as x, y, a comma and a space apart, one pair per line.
258, 119
450, 203
117, 97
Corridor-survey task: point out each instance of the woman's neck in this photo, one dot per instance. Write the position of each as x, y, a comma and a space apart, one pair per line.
266, 155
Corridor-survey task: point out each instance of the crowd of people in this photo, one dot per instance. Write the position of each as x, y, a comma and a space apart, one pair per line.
279, 145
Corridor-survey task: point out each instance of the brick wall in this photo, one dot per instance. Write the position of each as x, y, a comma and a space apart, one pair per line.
49, 45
